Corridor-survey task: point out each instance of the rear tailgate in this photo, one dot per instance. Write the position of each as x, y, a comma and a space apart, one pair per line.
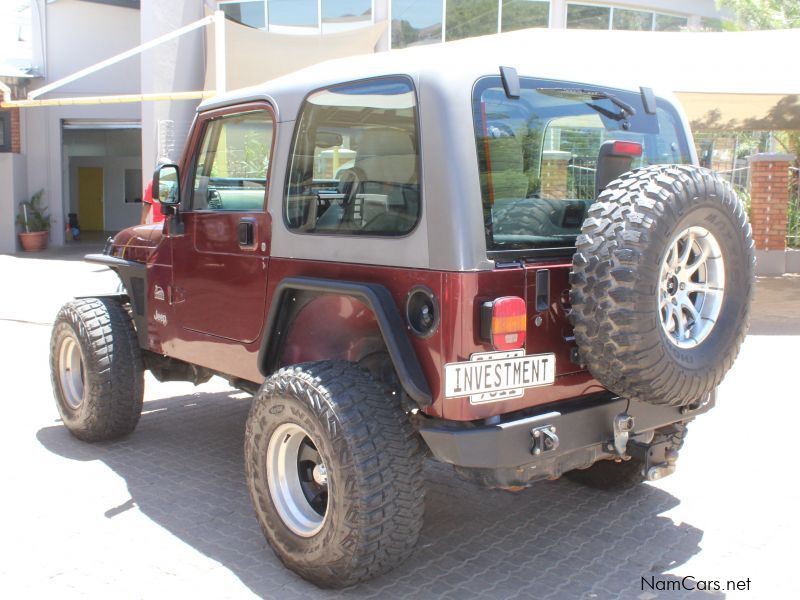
513, 380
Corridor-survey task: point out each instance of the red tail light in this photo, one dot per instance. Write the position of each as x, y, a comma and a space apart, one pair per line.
508, 323
627, 148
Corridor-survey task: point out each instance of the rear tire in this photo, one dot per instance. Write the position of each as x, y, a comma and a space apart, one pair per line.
96, 369
351, 508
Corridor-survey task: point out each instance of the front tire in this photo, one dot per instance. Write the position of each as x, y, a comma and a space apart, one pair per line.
334, 471
96, 369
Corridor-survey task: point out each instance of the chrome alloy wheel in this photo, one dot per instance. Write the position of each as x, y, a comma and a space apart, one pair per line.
691, 287
71, 374
298, 479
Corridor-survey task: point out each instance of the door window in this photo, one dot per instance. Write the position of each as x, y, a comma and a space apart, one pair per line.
232, 166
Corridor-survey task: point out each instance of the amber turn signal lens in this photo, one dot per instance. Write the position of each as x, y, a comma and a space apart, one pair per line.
509, 323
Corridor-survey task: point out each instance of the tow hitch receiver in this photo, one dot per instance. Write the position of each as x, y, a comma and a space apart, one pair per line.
659, 456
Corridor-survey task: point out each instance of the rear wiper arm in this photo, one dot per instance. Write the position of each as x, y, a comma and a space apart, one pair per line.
626, 110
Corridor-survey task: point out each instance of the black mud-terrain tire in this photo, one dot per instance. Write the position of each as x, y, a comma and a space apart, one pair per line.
374, 466
112, 372
615, 282
619, 476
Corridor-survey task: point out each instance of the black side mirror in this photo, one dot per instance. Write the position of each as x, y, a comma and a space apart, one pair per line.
166, 185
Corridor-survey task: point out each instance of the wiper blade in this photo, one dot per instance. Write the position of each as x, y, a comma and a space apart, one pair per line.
626, 110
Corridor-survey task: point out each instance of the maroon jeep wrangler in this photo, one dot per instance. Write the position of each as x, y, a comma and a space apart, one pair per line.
515, 270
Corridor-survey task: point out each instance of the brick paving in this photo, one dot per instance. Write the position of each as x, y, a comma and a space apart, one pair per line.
165, 512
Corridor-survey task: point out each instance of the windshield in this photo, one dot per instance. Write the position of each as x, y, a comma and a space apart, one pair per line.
537, 155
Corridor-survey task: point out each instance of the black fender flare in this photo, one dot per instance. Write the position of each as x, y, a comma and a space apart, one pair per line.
134, 277
380, 301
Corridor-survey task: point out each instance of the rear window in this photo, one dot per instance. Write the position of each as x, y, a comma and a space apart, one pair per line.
355, 162
537, 155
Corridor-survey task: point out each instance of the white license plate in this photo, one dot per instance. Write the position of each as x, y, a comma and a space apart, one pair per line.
493, 376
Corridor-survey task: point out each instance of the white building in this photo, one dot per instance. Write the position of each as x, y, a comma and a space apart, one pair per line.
92, 160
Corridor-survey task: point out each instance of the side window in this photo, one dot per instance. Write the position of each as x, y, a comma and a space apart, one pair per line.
354, 166
232, 166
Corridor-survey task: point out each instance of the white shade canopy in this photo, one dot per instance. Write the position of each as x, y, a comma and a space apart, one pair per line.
725, 81
253, 56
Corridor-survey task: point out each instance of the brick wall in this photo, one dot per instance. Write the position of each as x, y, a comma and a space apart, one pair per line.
554, 174
13, 132
16, 141
769, 199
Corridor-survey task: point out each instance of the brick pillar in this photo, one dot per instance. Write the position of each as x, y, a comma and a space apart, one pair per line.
16, 140
769, 199
554, 174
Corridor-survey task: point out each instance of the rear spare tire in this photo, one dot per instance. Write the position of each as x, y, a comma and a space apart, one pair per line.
661, 283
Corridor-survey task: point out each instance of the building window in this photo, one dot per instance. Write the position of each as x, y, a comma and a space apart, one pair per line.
354, 166
299, 16
522, 14
670, 22
340, 15
582, 16
586, 16
246, 12
711, 24
470, 18
5, 131
415, 23
632, 20
293, 13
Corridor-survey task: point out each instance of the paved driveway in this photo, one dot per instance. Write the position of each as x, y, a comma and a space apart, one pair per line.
165, 513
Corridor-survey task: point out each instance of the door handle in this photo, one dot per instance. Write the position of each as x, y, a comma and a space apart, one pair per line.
247, 233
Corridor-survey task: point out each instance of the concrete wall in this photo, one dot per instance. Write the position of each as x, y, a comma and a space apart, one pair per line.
12, 191
80, 34
77, 34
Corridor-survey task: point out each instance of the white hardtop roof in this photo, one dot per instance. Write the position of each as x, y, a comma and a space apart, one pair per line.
541, 53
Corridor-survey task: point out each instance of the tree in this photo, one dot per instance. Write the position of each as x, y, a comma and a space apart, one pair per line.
764, 14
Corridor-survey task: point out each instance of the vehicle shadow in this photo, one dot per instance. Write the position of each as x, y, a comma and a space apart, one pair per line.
184, 470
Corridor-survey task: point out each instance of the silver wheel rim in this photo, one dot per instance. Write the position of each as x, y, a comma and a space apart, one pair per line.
71, 373
298, 479
691, 287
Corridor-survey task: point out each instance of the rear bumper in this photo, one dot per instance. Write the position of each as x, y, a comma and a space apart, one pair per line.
584, 432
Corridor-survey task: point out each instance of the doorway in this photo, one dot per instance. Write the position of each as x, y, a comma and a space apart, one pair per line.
102, 166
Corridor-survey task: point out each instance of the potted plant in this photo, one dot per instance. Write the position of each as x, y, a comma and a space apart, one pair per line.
34, 222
